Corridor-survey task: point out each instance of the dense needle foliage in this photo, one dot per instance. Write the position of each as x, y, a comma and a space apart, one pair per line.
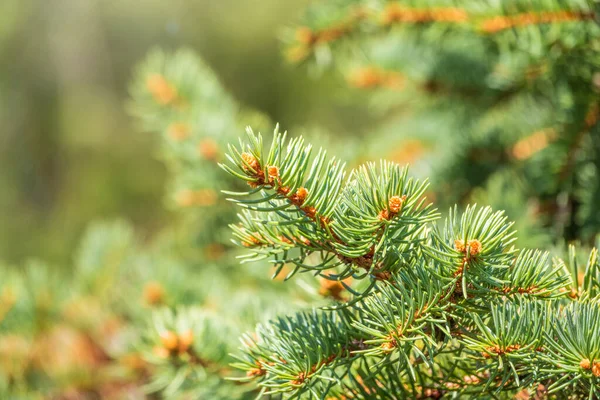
437, 309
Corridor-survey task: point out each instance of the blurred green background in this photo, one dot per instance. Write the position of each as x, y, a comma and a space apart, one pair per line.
70, 154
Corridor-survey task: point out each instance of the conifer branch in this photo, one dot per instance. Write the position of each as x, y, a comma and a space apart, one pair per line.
461, 310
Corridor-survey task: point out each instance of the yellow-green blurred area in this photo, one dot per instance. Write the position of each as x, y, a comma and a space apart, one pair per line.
69, 153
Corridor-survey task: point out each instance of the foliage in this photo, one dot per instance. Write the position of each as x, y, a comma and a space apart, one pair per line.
391, 301
495, 95
437, 310
135, 317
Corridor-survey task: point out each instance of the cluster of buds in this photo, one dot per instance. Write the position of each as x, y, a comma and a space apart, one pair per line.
452, 385
251, 166
208, 149
589, 365
392, 339
251, 241
256, 371
259, 370
307, 38
473, 246
395, 204
303, 376
431, 393
154, 294
174, 344
163, 92
299, 379
500, 351
273, 174
523, 290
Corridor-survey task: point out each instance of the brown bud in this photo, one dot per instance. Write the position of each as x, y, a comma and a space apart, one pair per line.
301, 194
163, 92
169, 340
186, 339
250, 163
474, 247
395, 203
273, 172
178, 131
254, 372
299, 380
208, 149
383, 215
596, 369
585, 364
154, 294
253, 239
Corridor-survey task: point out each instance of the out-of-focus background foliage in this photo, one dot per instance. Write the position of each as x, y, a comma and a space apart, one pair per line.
69, 153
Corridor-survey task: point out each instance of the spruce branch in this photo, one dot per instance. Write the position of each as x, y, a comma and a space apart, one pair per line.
459, 311
184, 346
534, 275
573, 348
297, 353
473, 251
509, 342
310, 209
334, 23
